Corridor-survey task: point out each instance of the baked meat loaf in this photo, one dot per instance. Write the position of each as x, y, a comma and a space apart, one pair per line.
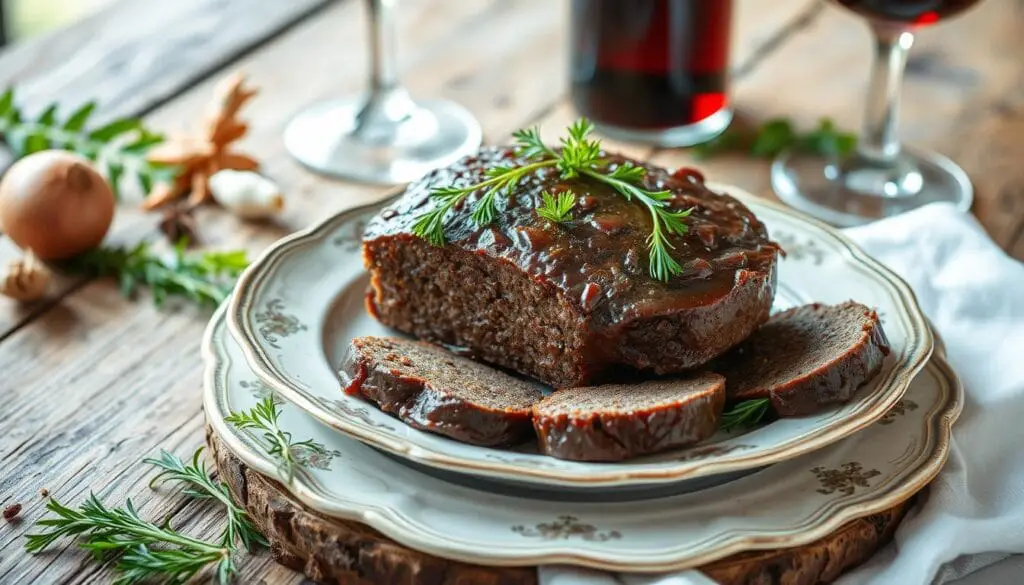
619, 421
433, 390
565, 303
807, 358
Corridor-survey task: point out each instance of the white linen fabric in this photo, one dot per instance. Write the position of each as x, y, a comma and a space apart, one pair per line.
974, 514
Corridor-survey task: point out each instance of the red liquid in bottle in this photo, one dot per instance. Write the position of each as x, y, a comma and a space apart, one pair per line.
650, 65
908, 12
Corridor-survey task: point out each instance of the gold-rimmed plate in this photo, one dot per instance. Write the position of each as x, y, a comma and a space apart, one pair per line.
788, 504
296, 309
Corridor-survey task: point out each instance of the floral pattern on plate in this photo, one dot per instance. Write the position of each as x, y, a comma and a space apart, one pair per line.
299, 305
787, 504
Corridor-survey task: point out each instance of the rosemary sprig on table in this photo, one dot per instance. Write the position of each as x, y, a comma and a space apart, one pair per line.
119, 147
201, 486
120, 533
278, 443
777, 135
745, 414
579, 157
557, 208
205, 278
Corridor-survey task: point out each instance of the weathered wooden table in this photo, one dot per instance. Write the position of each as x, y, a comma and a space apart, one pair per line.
91, 383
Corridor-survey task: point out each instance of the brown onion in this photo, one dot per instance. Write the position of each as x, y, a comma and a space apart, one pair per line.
56, 204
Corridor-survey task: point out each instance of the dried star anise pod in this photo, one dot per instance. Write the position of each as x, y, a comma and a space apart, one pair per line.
199, 157
178, 222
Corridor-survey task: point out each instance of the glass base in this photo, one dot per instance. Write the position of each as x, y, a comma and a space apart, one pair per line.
688, 135
856, 191
383, 140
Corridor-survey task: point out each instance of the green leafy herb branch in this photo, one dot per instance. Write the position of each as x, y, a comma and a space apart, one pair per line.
142, 551
776, 136
578, 157
205, 278
119, 147
261, 421
745, 414
201, 486
557, 208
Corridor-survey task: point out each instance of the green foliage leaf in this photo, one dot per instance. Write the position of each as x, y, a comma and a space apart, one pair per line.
114, 129
121, 534
776, 136
78, 119
486, 208
48, 116
119, 146
529, 144
557, 209
35, 143
144, 142
826, 140
115, 171
629, 173
206, 278
279, 444
745, 414
7, 103
199, 485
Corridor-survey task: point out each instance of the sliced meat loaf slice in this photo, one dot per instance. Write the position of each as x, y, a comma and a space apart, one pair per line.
434, 390
619, 421
807, 358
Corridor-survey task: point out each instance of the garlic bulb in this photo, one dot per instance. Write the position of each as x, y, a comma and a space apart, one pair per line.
26, 279
246, 194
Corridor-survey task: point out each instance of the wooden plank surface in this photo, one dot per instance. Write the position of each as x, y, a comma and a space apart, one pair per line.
136, 54
92, 383
131, 57
110, 382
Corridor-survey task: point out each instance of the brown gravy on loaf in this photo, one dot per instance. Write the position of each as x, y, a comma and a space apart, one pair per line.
600, 258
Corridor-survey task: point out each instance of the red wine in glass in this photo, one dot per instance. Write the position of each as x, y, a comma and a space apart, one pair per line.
652, 70
908, 12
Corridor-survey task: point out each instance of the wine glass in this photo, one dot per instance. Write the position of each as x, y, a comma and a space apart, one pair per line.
383, 137
882, 178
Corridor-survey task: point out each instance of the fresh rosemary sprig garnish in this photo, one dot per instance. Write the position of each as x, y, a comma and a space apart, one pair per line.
119, 147
624, 179
745, 414
557, 208
278, 443
500, 180
120, 532
206, 278
579, 157
201, 486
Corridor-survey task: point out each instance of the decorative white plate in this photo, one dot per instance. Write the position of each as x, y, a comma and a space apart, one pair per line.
299, 305
787, 504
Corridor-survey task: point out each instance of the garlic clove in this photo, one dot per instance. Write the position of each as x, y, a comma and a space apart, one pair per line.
246, 194
26, 279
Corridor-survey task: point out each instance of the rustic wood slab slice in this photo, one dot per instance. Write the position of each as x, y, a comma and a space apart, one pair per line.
329, 550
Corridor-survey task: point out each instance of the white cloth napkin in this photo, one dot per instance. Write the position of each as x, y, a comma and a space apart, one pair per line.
974, 516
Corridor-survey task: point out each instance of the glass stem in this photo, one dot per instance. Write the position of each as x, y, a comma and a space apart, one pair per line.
387, 104
878, 141
383, 73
